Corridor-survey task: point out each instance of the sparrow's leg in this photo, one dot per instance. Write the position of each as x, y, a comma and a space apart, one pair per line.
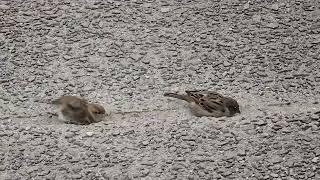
91, 118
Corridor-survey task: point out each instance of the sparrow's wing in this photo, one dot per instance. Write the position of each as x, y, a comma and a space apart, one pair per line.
199, 97
202, 93
212, 104
196, 95
75, 103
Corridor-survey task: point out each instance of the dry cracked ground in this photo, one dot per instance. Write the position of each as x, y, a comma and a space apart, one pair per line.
126, 54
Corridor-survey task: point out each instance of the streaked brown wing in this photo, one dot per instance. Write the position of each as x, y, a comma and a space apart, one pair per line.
212, 103
195, 94
201, 98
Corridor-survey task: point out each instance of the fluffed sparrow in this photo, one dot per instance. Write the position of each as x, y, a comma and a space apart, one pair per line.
208, 103
77, 110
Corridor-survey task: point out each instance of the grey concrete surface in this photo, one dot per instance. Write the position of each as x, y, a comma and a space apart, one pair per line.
126, 54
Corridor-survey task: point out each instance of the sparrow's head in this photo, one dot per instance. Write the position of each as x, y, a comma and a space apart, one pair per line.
96, 108
232, 105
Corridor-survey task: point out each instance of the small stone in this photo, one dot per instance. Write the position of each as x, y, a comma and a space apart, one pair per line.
69, 135
314, 117
276, 159
315, 160
116, 11
286, 130
76, 176
227, 172
136, 56
242, 152
316, 41
245, 61
263, 41
89, 134
264, 135
116, 133
275, 7
272, 25
287, 40
274, 175
165, 9
2, 168
4, 7
145, 143
256, 18
306, 120
27, 128
276, 127
226, 64
246, 6
261, 123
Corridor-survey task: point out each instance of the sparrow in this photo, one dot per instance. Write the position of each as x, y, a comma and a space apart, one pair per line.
76, 110
208, 103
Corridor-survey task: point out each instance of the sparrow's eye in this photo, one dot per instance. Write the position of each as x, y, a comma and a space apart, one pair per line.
234, 108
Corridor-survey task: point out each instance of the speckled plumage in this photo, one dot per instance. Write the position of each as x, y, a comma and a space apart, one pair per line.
208, 103
76, 110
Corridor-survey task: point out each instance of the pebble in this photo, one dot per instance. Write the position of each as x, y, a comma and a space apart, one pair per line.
241, 152
315, 159
273, 25
256, 18
276, 159
261, 123
246, 6
226, 64
165, 9
314, 117
145, 143
4, 7
275, 7
274, 175
89, 134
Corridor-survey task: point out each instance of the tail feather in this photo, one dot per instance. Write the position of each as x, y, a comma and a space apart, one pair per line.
56, 101
179, 96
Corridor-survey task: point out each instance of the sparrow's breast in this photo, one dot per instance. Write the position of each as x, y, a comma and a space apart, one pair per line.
66, 116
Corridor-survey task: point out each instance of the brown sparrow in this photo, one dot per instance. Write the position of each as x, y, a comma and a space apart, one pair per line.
77, 110
208, 103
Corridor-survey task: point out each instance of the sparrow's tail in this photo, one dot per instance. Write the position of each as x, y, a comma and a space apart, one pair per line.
56, 102
179, 96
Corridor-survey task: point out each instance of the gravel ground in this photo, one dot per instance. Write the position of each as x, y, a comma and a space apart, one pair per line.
126, 54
